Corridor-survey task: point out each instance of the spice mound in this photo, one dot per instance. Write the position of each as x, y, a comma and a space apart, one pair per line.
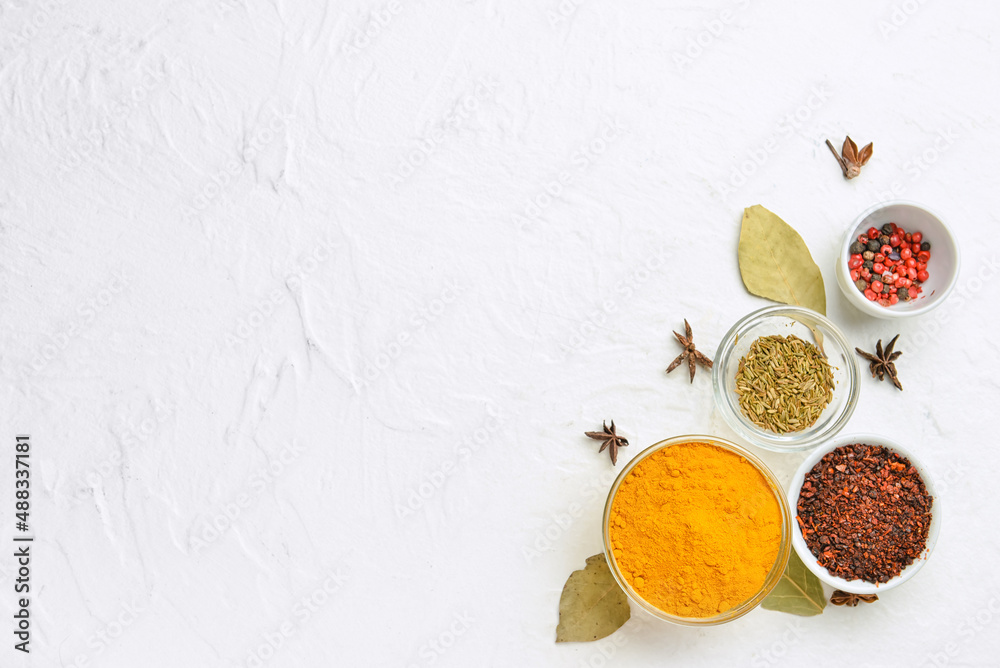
889, 265
783, 383
695, 529
864, 513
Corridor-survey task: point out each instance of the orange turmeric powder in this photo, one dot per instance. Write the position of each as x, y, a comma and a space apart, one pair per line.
695, 529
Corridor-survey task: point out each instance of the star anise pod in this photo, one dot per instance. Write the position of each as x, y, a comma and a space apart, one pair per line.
690, 353
881, 363
611, 439
852, 600
852, 159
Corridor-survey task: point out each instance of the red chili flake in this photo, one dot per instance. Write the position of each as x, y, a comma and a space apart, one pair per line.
869, 512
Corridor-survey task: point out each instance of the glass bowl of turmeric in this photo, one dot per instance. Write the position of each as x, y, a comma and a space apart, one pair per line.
697, 530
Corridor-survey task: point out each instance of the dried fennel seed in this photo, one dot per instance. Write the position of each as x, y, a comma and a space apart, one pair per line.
784, 383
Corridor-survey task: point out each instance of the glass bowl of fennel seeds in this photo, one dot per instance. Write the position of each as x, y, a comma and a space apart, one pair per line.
785, 378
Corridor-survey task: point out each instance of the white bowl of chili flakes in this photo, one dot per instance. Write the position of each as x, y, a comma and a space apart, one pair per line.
838, 495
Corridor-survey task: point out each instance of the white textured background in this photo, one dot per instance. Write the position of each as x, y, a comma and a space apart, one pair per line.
349, 281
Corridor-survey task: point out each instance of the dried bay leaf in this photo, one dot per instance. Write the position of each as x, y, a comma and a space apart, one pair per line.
775, 262
799, 592
592, 605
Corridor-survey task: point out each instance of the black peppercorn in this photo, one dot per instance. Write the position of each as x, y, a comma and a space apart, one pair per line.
925, 246
874, 245
886, 287
868, 264
857, 248
884, 240
903, 294
887, 229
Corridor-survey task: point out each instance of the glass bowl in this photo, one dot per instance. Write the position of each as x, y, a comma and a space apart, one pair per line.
808, 326
773, 576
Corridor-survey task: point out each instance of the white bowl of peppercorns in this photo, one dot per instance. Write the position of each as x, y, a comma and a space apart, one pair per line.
898, 260
866, 515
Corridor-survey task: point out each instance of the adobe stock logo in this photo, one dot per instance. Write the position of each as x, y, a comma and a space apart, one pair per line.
774, 653
373, 367
555, 188
267, 305
714, 29
788, 125
129, 436
463, 110
218, 525
973, 625
563, 12
599, 314
436, 647
107, 635
87, 312
94, 139
466, 449
899, 17
379, 20
303, 611
559, 523
917, 165
213, 187
44, 12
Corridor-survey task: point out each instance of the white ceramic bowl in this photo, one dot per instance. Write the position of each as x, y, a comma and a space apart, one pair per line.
799, 543
942, 267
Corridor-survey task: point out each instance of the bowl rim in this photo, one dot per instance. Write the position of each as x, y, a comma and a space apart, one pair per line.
784, 442
858, 300
784, 548
799, 543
